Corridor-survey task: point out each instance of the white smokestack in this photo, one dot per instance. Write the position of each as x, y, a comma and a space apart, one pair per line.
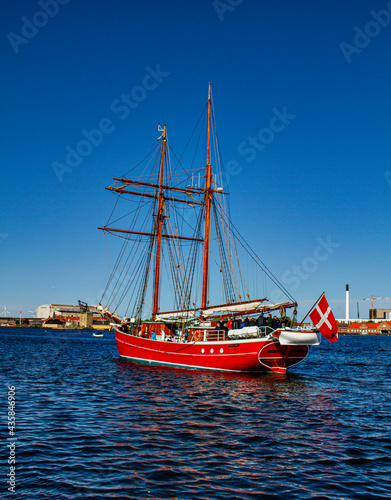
347, 302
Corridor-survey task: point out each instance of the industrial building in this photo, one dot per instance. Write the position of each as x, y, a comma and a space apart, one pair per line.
72, 316
67, 311
379, 313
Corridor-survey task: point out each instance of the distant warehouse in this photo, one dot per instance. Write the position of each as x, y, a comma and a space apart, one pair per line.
66, 310
72, 316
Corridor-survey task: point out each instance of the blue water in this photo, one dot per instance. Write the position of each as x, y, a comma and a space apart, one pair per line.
90, 426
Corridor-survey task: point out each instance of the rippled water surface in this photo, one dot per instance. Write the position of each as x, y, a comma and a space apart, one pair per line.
90, 426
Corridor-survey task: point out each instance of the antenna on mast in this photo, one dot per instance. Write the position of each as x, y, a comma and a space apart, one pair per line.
159, 129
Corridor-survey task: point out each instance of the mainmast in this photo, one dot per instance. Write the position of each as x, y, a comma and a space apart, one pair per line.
208, 202
159, 228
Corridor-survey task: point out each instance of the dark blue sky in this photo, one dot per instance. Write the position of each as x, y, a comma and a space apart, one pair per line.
318, 188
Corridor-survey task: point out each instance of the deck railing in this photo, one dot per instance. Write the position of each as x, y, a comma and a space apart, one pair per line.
222, 335
215, 335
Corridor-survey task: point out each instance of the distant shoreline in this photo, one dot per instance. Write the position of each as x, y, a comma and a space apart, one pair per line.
106, 330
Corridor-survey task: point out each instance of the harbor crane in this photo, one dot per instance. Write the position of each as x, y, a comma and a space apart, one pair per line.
83, 306
372, 298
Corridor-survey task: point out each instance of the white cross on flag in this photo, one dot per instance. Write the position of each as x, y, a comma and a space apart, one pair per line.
323, 319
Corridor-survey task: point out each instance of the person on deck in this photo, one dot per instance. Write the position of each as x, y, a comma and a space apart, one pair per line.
276, 323
261, 320
229, 324
220, 325
269, 323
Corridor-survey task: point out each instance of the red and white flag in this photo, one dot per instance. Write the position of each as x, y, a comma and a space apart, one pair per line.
323, 319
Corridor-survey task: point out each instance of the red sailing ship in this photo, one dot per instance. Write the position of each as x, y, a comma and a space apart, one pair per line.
175, 232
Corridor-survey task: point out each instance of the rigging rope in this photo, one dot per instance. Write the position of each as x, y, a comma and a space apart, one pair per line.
149, 154
255, 257
107, 253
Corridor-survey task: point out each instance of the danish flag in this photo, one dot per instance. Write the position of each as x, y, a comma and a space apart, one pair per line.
323, 319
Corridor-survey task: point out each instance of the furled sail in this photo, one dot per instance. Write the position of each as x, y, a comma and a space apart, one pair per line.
226, 308
175, 315
246, 307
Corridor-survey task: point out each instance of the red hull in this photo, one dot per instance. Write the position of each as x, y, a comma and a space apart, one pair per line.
253, 355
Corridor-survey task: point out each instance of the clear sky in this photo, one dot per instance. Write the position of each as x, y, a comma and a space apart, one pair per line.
302, 100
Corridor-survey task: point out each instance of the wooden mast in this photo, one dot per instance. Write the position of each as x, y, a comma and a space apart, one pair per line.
159, 223
207, 201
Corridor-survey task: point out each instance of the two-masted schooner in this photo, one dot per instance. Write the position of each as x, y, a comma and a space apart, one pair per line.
185, 298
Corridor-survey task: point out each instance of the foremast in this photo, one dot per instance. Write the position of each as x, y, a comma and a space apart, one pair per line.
159, 230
